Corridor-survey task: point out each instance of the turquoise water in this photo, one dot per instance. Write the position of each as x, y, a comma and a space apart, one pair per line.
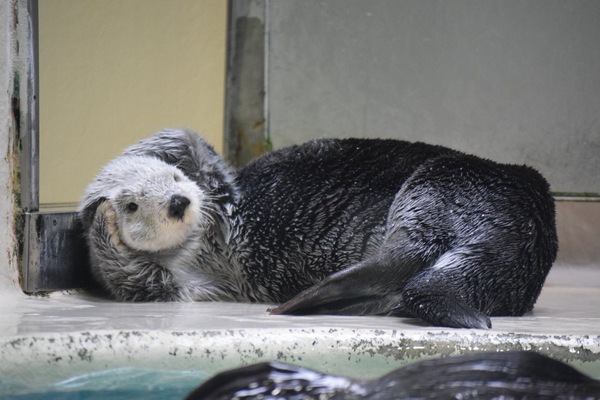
132, 384
121, 383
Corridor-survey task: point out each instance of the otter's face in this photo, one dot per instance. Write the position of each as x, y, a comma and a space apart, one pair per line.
157, 208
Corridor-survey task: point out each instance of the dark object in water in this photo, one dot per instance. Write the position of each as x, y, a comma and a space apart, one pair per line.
508, 375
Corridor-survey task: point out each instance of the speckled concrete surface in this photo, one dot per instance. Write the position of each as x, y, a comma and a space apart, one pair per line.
45, 339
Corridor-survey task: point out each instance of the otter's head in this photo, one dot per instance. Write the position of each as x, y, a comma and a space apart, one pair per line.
157, 206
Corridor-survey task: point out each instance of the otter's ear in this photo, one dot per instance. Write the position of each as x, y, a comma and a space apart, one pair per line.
87, 213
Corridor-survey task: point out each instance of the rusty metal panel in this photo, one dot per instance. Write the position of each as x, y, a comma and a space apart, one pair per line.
56, 255
246, 133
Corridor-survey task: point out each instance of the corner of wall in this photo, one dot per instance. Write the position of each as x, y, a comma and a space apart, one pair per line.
13, 62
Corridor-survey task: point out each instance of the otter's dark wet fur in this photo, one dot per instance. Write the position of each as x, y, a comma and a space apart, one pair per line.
354, 226
505, 375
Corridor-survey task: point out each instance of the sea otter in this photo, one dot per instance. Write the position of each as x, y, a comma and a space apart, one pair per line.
337, 226
489, 375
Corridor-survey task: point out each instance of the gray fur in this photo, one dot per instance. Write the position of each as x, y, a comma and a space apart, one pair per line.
349, 226
146, 255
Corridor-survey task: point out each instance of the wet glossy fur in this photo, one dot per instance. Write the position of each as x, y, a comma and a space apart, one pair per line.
504, 375
416, 230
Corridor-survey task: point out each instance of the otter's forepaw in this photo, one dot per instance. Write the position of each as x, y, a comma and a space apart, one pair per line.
109, 220
271, 308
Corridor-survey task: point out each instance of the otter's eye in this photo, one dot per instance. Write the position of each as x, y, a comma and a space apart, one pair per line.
132, 207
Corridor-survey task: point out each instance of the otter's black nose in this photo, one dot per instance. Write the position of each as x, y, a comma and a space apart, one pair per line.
177, 206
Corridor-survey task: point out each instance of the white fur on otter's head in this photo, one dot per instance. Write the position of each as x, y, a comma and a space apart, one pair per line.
156, 205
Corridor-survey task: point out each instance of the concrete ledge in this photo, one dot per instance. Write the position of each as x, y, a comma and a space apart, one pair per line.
48, 339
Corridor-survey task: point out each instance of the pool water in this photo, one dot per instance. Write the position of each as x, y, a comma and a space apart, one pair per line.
112, 384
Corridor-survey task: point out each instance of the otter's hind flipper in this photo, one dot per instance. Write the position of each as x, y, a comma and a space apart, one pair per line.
440, 308
368, 288
465, 286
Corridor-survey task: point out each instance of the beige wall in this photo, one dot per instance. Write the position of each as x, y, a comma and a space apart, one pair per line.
114, 71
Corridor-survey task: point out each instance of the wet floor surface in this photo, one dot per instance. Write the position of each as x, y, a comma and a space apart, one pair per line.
561, 310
